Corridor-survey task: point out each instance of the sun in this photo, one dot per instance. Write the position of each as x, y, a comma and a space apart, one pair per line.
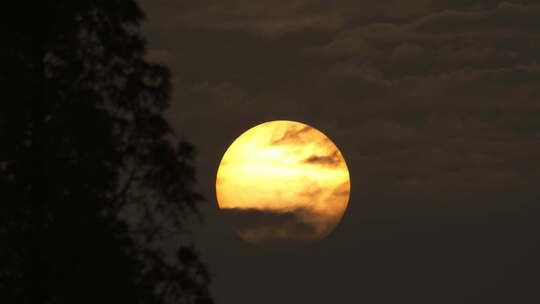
283, 183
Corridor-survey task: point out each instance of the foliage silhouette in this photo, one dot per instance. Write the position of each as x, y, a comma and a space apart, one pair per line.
94, 190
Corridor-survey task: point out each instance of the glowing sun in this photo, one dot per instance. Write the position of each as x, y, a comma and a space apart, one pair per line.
283, 183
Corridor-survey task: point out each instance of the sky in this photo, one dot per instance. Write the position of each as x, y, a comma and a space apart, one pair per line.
435, 106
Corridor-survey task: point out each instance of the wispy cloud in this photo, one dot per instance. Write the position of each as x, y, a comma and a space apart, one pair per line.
333, 159
292, 135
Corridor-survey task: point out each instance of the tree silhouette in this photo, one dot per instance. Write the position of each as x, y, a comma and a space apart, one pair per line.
94, 188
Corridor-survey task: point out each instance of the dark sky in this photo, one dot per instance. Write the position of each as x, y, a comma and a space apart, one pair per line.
435, 105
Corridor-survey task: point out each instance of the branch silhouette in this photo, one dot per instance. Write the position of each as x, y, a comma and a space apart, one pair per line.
95, 189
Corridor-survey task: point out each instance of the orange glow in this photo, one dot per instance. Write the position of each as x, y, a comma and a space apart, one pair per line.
283, 167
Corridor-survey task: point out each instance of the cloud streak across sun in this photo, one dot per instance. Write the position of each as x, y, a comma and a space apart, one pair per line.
287, 175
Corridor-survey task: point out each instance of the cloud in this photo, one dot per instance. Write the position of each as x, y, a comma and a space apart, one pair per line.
267, 18
272, 227
333, 159
505, 17
341, 190
292, 135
